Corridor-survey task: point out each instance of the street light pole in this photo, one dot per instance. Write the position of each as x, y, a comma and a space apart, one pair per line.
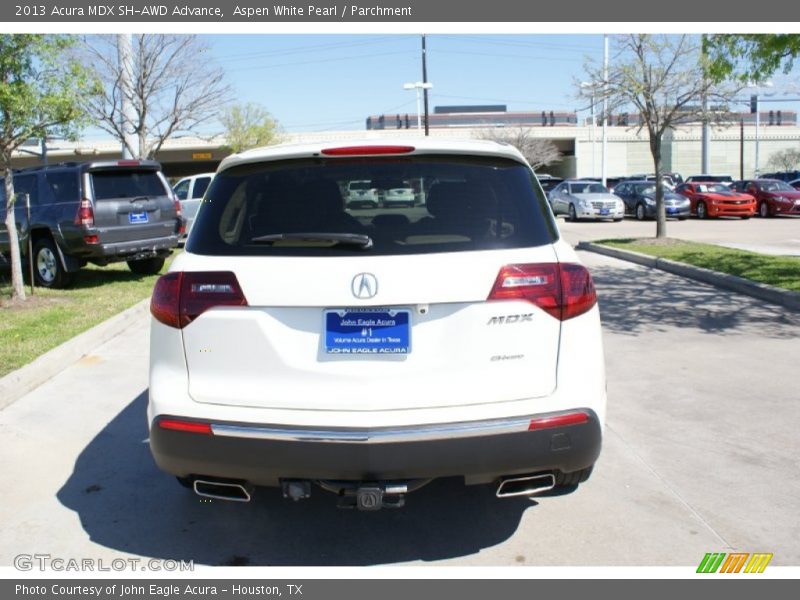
592, 86
758, 127
419, 85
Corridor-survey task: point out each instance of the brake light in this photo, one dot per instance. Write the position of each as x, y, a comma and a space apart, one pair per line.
182, 226
128, 163
563, 290
576, 418
188, 426
85, 214
367, 150
180, 297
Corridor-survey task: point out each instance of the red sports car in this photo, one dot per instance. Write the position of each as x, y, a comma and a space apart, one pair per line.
710, 199
774, 197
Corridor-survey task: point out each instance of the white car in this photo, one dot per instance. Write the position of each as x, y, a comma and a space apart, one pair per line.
362, 194
295, 344
190, 192
398, 193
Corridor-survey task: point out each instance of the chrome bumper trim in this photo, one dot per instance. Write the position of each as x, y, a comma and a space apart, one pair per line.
377, 436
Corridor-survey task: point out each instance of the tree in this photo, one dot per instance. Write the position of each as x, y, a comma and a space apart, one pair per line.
39, 91
539, 152
662, 77
169, 83
249, 126
785, 160
751, 57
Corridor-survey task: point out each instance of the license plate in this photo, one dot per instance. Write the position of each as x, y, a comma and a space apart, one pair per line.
137, 217
368, 331
603, 211
672, 210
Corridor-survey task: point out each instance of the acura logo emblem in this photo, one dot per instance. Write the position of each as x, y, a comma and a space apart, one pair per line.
364, 286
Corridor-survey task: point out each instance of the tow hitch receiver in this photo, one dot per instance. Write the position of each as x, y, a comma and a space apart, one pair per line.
373, 496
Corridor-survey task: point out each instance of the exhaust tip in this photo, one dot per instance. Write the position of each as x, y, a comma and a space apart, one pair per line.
526, 485
221, 490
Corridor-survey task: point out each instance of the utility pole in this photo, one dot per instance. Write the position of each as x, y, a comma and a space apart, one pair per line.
704, 167
425, 81
125, 55
605, 110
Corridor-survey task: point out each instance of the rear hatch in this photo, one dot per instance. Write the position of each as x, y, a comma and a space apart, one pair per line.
350, 309
131, 202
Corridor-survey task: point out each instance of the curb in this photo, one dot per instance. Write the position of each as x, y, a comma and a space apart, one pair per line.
25, 379
761, 291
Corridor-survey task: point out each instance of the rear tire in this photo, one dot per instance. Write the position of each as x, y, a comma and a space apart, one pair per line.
146, 266
574, 478
48, 272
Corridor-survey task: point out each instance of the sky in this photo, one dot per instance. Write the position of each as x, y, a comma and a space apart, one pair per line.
334, 82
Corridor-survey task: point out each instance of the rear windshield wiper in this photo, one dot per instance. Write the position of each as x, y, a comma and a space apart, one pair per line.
351, 239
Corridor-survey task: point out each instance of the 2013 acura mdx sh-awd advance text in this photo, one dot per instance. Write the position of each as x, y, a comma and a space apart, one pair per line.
300, 342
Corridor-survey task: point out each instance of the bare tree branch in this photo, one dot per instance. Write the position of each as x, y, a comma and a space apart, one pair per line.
168, 94
663, 78
539, 152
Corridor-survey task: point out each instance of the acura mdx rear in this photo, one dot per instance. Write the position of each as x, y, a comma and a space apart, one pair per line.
300, 341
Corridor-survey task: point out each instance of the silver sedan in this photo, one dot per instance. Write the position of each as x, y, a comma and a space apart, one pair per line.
586, 200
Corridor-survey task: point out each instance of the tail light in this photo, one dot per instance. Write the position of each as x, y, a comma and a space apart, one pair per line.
85, 214
177, 204
563, 290
180, 297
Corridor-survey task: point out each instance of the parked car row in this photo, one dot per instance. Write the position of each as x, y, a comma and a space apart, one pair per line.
704, 198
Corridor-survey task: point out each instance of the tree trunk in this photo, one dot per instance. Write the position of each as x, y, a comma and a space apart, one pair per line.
17, 285
661, 213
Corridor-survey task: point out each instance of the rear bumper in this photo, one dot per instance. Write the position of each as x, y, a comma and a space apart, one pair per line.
478, 451
130, 250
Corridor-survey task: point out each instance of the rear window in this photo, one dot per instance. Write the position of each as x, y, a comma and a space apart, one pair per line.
126, 184
460, 204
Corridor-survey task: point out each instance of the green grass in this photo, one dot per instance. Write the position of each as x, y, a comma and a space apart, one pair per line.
778, 271
51, 317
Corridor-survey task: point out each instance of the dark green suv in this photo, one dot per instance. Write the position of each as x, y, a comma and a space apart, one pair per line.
96, 212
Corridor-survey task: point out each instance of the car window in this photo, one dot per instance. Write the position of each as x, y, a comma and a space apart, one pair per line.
126, 184
200, 186
64, 185
182, 189
26, 184
464, 204
593, 188
646, 189
777, 186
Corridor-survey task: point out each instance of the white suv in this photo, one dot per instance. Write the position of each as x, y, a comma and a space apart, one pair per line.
295, 343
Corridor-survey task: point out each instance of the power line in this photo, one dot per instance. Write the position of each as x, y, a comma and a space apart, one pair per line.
305, 49
319, 61
519, 43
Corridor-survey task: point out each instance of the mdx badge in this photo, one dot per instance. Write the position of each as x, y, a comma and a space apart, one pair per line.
509, 319
364, 286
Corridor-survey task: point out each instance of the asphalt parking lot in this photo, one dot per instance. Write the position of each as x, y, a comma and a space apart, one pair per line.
780, 235
700, 455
